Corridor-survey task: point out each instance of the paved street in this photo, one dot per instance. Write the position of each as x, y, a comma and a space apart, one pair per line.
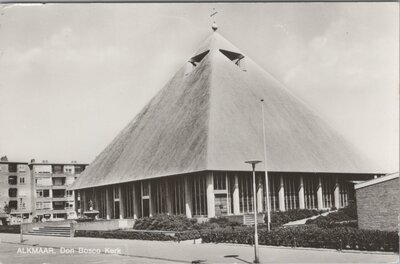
99, 250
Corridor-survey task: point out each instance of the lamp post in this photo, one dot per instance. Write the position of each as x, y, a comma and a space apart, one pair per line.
253, 165
266, 170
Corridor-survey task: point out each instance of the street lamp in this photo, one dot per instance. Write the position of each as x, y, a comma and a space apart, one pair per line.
253, 164
266, 170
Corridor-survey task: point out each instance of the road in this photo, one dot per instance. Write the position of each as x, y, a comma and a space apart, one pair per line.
41, 249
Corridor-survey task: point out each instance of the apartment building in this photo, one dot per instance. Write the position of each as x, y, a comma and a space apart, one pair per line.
15, 191
54, 200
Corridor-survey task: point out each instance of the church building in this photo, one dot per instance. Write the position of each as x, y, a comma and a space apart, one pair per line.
185, 152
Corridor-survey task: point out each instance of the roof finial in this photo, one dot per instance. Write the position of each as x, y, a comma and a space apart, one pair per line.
214, 25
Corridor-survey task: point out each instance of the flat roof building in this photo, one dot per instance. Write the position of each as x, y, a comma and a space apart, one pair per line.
53, 197
15, 190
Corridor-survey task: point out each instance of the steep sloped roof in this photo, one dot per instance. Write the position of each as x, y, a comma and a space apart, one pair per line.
210, 119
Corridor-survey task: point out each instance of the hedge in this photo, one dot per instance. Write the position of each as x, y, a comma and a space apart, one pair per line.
343, 217
279, 218
129, 234
165, 223
309, 236
10, 229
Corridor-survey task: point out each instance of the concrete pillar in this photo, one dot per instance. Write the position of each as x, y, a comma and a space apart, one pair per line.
281, 194
121, 202
151, 200
301, 193
83, 201
260, 195
336, 193
320, 204
236, 199
168, 196
136, 202
210, 195
109, 202
188, 198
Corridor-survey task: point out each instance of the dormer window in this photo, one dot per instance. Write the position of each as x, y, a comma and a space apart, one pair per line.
237, 58
194, 61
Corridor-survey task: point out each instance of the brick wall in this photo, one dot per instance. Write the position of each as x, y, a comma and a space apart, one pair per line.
378, 205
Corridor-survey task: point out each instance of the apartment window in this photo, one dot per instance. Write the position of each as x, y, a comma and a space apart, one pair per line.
69, 193
12, 192
21, 203
21, 180
79, 169
12, 167
42, 193
43, 205
69, 205
13, 205
57, 169
12, 180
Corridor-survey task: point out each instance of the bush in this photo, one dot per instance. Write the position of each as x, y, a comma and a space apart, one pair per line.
280, 218
165, 222
124, 234
309, 236
84, 219
10, 229
343, 217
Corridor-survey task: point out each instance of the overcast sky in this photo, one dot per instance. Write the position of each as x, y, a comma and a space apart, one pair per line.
72, 76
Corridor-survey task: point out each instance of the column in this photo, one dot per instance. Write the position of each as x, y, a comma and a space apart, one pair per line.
282, 195
97, 201
336, 193
260, 194
236, 198
121, 202
319, 194
136, 202
151, 200
83, 201
210, 195
188, 198
301, 193
168, 196
109, 202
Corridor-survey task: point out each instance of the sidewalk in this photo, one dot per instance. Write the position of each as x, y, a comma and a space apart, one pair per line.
137, 251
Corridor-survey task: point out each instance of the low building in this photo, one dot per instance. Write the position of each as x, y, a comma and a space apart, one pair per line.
378, 203
54, 200
15, 190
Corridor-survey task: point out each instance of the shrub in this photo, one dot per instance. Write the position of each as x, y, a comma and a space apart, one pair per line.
309, 236
124, 234
343, 217
84, 219
280, 218
165, 223
222, 222
10, 229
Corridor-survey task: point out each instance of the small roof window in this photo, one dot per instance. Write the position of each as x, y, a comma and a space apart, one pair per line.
194, 61
237, 58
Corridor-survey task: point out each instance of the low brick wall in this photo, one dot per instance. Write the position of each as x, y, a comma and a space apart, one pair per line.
378, 206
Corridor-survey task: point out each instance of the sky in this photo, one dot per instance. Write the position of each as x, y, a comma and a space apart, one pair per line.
73, 75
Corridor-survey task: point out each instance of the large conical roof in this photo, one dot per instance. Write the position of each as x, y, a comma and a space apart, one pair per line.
211, 119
